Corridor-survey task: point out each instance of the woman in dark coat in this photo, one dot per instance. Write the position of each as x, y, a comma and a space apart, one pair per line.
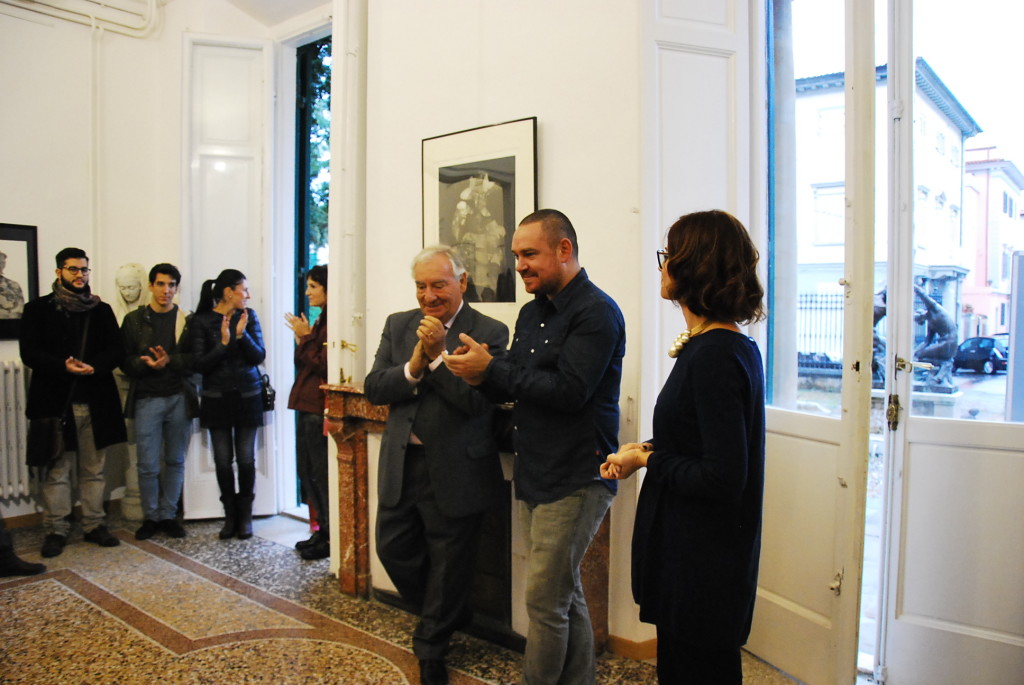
307, 399
697, 535
227, 348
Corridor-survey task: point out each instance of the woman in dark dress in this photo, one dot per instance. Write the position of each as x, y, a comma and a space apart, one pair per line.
697, 535
307, 399
227, 348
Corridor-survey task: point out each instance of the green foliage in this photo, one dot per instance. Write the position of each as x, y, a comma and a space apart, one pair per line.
319, 99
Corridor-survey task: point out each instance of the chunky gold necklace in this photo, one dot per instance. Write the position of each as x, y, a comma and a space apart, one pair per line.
684, 337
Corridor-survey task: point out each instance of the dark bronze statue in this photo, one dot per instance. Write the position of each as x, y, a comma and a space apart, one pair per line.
939, 343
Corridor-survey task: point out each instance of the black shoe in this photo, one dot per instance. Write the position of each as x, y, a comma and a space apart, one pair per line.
433, 672
172, 528
320, 550
53, 545
102, 537
147, 530
11, 565
464, 620
313, 539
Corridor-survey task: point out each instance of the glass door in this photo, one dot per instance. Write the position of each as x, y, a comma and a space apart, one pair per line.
951, 600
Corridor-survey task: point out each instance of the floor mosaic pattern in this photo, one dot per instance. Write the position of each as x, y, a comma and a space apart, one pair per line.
201, 610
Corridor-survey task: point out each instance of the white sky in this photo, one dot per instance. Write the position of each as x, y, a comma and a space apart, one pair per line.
976, 48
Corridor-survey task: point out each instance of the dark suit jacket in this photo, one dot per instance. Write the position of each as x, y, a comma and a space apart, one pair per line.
455, 421
48, 337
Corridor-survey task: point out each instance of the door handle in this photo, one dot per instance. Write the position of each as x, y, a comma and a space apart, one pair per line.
836, 586
892, 412
904, 365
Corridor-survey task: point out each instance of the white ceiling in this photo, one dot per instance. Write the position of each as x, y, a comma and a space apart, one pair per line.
273, 12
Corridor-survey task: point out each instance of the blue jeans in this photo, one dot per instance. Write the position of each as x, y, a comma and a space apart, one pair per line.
560, 642
161, 430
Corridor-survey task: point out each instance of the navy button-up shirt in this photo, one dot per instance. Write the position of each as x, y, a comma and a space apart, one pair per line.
563, 371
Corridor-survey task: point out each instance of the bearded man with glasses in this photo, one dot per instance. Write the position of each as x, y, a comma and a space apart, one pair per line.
71, 341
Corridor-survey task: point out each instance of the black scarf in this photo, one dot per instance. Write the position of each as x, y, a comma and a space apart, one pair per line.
70, 301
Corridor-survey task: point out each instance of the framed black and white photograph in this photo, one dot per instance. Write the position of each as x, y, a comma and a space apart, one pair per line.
477, 185
19, 276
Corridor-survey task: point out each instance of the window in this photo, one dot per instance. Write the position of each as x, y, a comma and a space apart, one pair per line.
313, 159
829, 213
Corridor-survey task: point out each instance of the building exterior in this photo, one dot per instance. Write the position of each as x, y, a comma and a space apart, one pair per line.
942, 259
992, 187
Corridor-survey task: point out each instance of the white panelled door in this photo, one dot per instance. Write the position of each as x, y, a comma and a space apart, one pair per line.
954, 602
819, 363
227, 115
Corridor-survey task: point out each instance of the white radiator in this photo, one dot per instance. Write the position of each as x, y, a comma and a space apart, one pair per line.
14, 426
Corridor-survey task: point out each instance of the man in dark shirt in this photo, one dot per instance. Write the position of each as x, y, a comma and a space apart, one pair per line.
562, 372
161, 399
70, 340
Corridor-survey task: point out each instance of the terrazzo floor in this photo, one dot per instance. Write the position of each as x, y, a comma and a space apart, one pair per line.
201, 610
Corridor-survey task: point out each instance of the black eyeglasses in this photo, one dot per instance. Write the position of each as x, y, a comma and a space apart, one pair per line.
662, 258
77, 270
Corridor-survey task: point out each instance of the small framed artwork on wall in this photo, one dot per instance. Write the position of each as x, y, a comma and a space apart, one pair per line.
477, 185
19, 275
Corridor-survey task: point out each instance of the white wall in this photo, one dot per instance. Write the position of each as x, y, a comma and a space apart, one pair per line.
433, 69
75, 102
436, 68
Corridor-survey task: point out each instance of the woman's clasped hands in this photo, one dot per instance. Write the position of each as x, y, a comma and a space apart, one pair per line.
629, 458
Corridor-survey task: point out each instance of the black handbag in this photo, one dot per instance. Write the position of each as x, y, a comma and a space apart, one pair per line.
267, 393
45, 440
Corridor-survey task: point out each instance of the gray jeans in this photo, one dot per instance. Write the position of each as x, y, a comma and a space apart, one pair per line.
88, 464
560, 642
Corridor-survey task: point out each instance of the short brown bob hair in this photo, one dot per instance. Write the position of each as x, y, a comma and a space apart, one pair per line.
713, 265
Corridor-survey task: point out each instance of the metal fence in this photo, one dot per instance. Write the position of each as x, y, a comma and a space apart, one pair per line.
819, 333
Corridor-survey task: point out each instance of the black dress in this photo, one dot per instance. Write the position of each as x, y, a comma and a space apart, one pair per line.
698, 524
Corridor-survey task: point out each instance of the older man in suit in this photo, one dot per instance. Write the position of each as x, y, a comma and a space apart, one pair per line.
439, 466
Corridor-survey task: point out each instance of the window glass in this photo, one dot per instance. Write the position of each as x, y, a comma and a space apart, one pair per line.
313, 161
969, 151
807, 207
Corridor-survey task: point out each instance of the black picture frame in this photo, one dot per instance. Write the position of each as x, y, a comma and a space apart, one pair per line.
477, 185
19, 276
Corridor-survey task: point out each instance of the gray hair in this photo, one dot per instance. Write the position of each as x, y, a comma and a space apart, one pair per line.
428, 253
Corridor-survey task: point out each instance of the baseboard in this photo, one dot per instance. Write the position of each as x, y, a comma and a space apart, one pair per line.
111, 506
641, 651
24, 521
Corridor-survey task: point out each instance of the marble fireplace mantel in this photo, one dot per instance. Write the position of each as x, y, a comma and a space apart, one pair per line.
350, 419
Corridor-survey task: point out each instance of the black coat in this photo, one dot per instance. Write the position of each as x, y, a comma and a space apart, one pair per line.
48, 337
139, 336
230, 368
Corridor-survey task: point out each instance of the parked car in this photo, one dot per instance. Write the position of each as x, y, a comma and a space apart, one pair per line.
983, 355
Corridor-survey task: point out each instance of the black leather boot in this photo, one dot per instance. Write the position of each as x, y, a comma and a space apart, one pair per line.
12, 565
230, 518
243, 505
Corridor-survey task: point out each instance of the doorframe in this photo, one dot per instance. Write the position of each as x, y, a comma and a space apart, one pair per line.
900, 237
283, 256
858, 310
